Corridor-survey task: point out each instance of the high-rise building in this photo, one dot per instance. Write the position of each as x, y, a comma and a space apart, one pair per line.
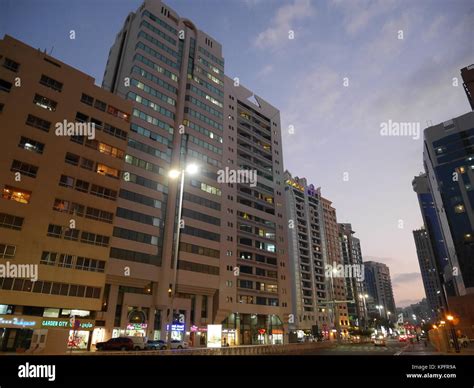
353, 261
62, 158
257, 305
467, 74
449, 163
429, 272
337, 285
305, 241
186, 111
434, 232
379, 288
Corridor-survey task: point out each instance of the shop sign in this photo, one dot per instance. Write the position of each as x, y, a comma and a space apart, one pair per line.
137, 326
12, 321
175, 327
67, 324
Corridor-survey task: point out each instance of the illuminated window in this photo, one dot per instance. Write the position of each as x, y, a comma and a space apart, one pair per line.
102, 169
45, 102
118, 113
459, 208
15, 194
462, 169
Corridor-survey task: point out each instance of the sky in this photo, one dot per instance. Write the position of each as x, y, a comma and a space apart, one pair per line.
338, 70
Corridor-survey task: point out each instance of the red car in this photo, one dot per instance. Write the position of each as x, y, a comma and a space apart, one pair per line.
402, 338
119, 343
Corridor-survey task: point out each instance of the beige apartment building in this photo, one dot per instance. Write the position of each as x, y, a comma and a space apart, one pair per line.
62, 153
337, 285
186, 112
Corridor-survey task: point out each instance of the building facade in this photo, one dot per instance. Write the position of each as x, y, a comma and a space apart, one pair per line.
379, 288
353, 261
310, 307
429, 272
448, 159
467, 74
62, 160
337, 285
186, 111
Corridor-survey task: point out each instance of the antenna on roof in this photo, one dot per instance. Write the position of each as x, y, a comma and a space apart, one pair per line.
51, 52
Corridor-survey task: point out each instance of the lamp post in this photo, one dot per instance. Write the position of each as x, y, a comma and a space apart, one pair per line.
450, 319
364, 297
174, 174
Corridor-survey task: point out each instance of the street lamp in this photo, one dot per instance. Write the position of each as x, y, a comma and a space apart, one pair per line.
364, 297
379, 307
450, 319
174, 174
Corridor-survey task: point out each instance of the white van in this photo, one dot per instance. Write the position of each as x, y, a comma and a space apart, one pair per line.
139, 343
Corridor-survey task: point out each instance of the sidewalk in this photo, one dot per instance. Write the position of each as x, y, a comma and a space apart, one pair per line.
419, 349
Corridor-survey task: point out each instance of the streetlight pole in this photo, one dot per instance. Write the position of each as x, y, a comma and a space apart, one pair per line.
450, 319
190, 169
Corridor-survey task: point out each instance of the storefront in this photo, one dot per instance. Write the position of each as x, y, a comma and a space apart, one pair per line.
198, 336
177, 331
16, 332
253, 329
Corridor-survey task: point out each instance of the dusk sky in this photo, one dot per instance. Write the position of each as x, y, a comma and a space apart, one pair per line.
336, 121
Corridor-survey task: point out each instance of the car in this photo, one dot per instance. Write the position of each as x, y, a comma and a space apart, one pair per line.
402, 338
139, 343
118, 343
156, 345
176, 344
380, 341
463, 341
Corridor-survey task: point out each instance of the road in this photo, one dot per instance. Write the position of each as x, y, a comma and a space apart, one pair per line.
393, 348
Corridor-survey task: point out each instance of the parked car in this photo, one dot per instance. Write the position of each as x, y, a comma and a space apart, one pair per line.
463, 341
139, 343
402, 338
156, 345
176, 344
119, 343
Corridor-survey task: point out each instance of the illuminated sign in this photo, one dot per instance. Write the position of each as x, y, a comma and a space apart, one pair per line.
175, 327
137, 326
295, 184
214, 336
67, 324
11, 321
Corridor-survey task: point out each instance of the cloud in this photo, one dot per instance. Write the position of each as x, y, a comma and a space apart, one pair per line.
358, 14
400, 279
285, 19
266, 70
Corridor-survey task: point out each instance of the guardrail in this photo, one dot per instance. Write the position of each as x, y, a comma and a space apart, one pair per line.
244, 350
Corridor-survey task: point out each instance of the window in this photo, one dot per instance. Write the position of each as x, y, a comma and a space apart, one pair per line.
72, 159
65, 261
86, 99
102, 169
5, 86
71, 234
51, 83
82, 186
7, 251
66, 181
117, 113
95, 239
100, 215
45, 103
54, 231
87, 164
103, 192
31, 145
10, 64
15, 194
24, 168
10, 221
100, 105
36, 122
115, 131
48, 258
